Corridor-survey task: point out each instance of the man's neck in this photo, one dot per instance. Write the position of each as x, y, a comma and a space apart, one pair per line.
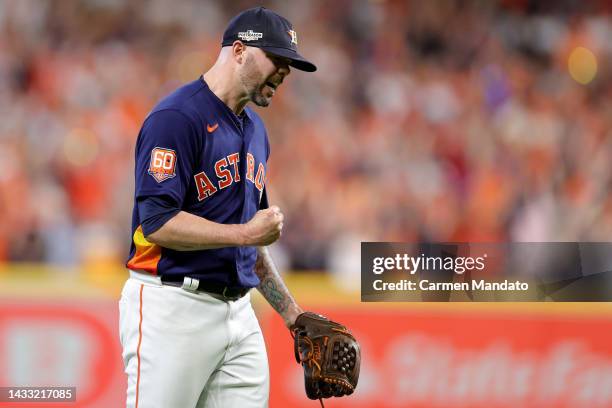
222, 82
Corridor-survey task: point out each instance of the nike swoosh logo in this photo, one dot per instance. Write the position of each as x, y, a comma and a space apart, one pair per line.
212, 128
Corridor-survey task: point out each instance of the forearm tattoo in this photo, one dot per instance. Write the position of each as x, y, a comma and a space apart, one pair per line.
277, 299
272, 286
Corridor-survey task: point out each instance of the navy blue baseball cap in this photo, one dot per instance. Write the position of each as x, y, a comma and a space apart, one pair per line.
263, 28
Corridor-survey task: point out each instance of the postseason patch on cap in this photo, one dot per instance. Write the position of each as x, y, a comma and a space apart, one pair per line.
250, 35
163, 162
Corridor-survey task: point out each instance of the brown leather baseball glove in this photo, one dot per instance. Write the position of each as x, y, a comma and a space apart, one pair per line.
329, 354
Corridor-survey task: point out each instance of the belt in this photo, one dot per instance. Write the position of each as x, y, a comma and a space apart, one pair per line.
196, 285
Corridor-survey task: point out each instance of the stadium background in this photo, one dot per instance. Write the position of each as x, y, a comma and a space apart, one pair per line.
438, 120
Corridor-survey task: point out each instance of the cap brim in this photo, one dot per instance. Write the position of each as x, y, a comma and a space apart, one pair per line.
297, 61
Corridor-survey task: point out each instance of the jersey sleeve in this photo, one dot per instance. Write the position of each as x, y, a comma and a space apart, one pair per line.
155, 212
165, 155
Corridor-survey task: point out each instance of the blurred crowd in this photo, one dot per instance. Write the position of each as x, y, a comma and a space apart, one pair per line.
437, 120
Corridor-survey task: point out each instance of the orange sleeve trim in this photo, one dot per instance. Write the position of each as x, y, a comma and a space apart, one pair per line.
147, 254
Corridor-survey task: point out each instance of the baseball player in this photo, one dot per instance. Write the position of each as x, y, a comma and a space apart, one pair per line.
201, 224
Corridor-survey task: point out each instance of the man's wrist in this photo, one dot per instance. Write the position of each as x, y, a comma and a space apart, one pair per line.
242, 234
292, 313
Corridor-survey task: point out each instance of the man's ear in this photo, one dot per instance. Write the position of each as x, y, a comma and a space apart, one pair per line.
238, 50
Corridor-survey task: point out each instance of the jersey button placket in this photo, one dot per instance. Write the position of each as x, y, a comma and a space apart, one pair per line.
247, 137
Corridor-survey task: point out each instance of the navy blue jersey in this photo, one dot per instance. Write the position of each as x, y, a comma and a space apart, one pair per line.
200, 157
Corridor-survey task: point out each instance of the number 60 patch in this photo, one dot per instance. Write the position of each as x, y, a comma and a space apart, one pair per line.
163, 162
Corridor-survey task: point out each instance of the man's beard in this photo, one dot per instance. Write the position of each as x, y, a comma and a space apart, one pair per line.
258, 99
252, 80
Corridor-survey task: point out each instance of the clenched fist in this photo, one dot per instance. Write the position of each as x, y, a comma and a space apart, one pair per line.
265, 227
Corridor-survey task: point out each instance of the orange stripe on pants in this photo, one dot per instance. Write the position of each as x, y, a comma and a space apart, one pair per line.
138, 348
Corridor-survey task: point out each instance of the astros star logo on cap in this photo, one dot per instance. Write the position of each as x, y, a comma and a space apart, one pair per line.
293, 35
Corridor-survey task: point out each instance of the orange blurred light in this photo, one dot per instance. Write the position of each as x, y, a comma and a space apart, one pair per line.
582, 65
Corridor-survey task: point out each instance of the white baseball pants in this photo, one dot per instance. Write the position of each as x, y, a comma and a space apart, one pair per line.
190, 350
